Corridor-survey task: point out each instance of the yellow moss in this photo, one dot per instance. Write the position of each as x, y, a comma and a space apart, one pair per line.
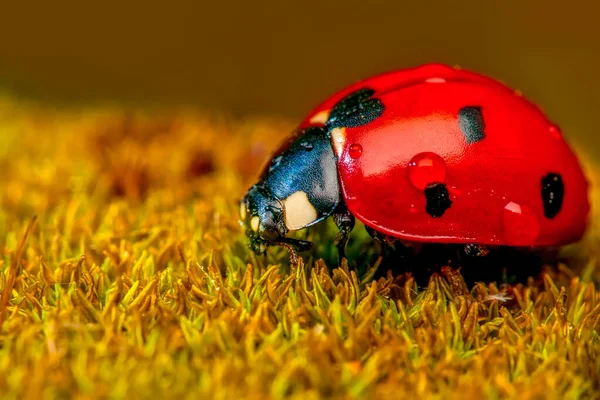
135, 282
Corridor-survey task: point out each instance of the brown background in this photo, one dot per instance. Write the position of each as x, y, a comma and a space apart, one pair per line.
281, 57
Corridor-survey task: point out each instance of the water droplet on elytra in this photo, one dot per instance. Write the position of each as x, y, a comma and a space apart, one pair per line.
521, 227
513, 207
355, 150
555, 131
412, 208
426, 168
275, 162
307, 146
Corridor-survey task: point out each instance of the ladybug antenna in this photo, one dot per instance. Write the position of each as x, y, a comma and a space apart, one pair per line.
293, 246
291, 252
300, 245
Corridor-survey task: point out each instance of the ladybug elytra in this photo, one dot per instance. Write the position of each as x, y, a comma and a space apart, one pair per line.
430, 154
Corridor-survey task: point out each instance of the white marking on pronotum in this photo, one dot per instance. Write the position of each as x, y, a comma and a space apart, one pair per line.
299, 212
254, 223
338, 138
320, 117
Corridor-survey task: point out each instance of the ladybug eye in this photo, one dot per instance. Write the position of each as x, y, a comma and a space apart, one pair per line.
272, 225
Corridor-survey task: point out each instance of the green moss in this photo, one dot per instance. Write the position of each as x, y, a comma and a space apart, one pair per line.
135, 281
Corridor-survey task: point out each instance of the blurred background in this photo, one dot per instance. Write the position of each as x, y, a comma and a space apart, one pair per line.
281, 58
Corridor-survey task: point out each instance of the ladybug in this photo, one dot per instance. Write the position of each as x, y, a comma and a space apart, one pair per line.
431, 154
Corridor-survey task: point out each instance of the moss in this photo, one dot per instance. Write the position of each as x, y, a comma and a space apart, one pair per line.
135, 281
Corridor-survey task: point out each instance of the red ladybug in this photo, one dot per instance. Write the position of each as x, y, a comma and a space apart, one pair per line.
430, 154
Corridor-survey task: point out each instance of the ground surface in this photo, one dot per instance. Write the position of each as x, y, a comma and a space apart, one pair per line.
134, 281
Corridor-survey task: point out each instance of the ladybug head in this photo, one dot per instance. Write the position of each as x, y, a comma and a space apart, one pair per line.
263, 217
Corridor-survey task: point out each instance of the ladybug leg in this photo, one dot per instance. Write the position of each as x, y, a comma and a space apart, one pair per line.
377, 236
293, 246
476, 250
386, 241
344, 220
299, 245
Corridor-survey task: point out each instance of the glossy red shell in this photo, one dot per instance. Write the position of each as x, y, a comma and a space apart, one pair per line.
494, 184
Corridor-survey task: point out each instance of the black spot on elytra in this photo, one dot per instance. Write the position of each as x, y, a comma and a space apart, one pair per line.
553, 192
471, 123
438, 199
356, 109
